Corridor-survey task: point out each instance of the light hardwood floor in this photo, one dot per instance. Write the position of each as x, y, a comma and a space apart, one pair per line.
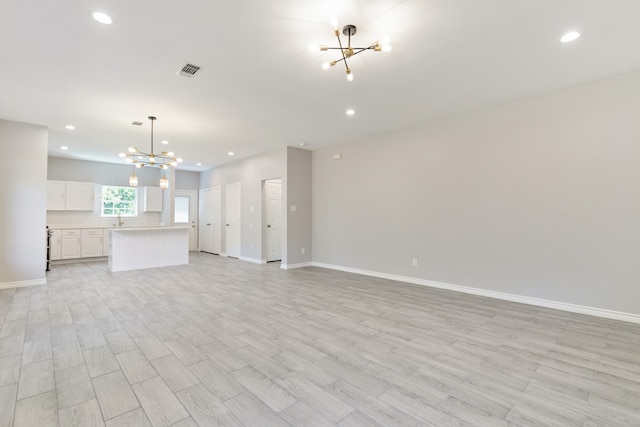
226, 342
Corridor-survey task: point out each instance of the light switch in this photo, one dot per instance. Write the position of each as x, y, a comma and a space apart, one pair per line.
293, 208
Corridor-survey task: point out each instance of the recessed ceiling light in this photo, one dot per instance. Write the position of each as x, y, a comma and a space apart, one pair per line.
231, 153
165, 142
70, 127
198, 164
302, 144
350, 112
64, 147
570, 36
102, 18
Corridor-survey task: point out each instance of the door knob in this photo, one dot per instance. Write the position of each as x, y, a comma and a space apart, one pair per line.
268, 225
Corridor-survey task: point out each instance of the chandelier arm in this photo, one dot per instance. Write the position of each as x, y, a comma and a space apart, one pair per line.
362, 49
344, 58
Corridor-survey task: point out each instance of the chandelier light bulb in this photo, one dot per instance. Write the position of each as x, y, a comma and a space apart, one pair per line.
326, 65
132, 150
179, 159
139, 165
128, 160
122, 155
174, 163
314, 48
334, 22
349, 75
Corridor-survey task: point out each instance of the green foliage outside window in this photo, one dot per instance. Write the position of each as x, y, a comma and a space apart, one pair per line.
119, 200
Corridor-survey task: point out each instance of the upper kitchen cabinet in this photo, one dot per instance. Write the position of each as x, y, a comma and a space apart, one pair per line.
70, 196
152, 199
55, 195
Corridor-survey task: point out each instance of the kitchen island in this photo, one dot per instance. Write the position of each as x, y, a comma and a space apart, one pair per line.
147, 247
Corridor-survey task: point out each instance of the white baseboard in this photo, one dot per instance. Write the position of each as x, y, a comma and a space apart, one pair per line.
573, 308
298, 265
253, 260
23, 283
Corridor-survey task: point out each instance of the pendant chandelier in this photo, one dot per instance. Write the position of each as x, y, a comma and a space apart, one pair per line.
140, 159
349, 51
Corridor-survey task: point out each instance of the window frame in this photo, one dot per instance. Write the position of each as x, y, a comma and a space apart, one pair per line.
124, 211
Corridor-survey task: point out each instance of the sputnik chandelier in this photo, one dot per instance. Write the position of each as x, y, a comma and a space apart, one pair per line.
348, 51
140, 159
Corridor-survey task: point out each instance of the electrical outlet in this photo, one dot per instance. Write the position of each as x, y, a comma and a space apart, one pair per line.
414, 262
302, 251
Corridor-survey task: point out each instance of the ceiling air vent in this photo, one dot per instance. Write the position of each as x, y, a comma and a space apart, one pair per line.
136, 123
189, 70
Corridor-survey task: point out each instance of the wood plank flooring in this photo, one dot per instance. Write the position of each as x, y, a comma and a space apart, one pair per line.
226, 342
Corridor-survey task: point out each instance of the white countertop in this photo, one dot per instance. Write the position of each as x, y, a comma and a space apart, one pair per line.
175, 227
85, 226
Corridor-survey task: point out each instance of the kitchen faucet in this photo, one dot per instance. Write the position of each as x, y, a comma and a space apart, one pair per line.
120, 220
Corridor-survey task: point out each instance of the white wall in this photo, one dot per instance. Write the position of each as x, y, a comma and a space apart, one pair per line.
538, 198
23, 206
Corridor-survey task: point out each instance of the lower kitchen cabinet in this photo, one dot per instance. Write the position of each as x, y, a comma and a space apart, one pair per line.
71, 244
92, 242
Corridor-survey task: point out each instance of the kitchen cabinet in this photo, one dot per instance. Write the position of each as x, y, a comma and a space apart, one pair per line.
56, 195
55, 243
80, 196
71, 244
152, 199
92, 242
70, 196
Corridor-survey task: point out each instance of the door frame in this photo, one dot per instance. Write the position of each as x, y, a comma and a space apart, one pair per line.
226, 220
193, 199
265, 214
216, 214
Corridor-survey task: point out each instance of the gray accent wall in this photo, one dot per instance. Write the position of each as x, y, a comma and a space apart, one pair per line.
538, 198
23, 192
63, 169
299, 195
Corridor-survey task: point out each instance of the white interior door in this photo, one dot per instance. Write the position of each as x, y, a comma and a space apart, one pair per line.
232, 224
185, 214
273, 218
210, 220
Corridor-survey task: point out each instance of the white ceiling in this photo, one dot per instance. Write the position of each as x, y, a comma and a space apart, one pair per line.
262, 88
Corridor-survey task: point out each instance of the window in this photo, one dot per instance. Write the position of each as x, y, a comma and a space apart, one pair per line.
119, 201
182, 209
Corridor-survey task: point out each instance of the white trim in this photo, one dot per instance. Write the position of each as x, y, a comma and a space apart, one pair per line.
23, 283
254, 260
224, 254
298, 265
557, 305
